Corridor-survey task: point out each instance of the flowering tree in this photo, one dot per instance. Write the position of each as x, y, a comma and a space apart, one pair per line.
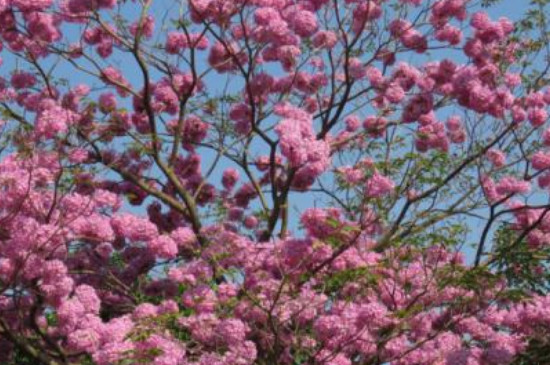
156, 157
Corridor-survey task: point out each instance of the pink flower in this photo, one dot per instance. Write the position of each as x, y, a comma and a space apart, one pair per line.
299, 144
241, 114
288, 56
184, 237
376, 126
394, 93
537, 116
518, 114
86, 340
414, 40
535, 100
264, 15
194, 130
379, 185
78, 155
352, 123
144, 27
364, 12
480, 20
302, 22
546, 137
107, 102
87, 296
449, 34
321, 223
145, 310
53, 120
454, 123
488, 31
328, 357
232, 331
356, 68
234, 214
134, 228
230, 178
540, 161
325, 39
375, 76
177, 41
163, 247
509, 185
497, 157
250, 222
226, 57
417, 106
351, 175
32, 5
544, 180
490, 190
113, 352
114, 77
512, 79
22, 80
43, 26
167, 351
201, 298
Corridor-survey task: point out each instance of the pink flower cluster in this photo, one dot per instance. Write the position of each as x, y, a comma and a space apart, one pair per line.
101, 38
379, 185
307, 318
178, 41
299, 145
52, 120
410, 37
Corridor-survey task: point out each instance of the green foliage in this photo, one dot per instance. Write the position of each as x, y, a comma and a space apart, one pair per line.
86, 360
450, 234
338, 280
160, 324
488, 3
429, 168
524, 268
536, 353
51, 319
20, 358
116, 260
474, 279
302, 357
539, 2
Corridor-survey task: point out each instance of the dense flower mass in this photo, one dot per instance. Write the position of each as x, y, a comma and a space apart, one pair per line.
258, 182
